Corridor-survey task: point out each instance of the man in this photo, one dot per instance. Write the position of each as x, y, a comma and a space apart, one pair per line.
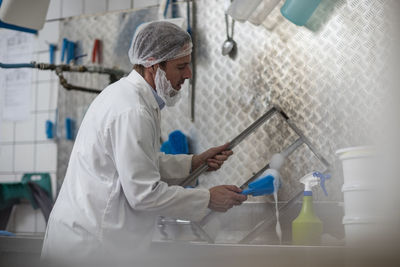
116, 184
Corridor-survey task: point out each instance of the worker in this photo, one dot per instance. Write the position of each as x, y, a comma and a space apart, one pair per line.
118, 183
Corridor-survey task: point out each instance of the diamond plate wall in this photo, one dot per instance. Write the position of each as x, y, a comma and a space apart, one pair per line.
325, 76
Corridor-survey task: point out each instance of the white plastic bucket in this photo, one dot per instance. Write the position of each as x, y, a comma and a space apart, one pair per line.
357, 164
361, 230
358, 200
360, 205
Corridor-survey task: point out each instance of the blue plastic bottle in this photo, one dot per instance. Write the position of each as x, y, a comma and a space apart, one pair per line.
299, 11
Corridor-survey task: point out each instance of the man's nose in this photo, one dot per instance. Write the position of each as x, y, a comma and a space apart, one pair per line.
188, 72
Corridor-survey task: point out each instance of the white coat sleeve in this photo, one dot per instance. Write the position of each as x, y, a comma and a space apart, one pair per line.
174, 168
132, 135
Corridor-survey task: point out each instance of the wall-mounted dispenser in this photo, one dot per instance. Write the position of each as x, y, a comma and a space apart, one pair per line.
23, 15
262, 11
241, 10
299, 11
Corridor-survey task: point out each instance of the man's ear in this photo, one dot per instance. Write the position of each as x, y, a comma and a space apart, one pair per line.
153, 69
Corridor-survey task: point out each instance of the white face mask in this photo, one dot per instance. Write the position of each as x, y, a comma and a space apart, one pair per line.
165, 90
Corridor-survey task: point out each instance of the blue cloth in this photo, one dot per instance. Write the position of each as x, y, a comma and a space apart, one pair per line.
166, 148
260, 187
6, 233
177, 144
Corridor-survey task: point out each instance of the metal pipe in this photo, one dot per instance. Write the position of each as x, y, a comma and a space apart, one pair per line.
192, 81
114, 74
193, 176
306, 141
252, 127
16, 66
69, 86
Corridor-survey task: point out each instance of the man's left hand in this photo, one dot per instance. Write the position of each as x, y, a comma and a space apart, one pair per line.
214, 157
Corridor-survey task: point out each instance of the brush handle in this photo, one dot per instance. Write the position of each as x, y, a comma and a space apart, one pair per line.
193, 176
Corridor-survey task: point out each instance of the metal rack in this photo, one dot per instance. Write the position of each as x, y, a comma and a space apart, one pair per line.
199, 226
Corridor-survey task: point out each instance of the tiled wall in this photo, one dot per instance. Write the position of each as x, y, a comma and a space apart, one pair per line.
23, 145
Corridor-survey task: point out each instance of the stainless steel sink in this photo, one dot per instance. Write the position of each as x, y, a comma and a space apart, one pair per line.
220, 241
176, 254
238, 224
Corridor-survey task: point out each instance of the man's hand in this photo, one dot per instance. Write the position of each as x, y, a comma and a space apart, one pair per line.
214, 157
224, 197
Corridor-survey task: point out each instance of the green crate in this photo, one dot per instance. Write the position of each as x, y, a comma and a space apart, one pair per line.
12, 192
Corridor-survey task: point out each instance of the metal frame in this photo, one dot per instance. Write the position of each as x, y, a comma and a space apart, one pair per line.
286, 152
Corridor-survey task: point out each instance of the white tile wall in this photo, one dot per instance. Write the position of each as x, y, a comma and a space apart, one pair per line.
54, 11
53, 184
24, 219
6, 131
94, 6
33, 93
119, 4
6, 158
47, 96
44, 75
144, 3
25, 130
46, 157
40, 223
24, 158
71, 8
8, 178
48, 35
41, 119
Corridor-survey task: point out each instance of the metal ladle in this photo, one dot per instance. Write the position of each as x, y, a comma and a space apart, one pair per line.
229, 46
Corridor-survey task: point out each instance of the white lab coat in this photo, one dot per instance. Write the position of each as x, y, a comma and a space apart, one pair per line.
115, 188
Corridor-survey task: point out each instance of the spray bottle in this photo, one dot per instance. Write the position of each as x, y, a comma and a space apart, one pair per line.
307, 227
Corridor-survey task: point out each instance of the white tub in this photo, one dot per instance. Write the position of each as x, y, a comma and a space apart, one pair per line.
361, 231
358, 165
359, 200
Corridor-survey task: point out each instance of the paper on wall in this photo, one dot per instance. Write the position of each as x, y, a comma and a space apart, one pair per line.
15, 47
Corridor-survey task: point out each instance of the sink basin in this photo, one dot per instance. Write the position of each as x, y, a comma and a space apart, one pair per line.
168, 254
184, 243
236, 224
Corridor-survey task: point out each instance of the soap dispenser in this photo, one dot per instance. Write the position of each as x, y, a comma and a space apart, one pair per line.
299, 11
307, 227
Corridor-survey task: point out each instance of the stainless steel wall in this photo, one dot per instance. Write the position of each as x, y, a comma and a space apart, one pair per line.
327, 76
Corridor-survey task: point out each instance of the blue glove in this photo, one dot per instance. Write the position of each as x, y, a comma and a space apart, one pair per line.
177, 144
260, 187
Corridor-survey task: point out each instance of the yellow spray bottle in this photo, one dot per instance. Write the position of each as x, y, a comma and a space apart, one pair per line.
307, 227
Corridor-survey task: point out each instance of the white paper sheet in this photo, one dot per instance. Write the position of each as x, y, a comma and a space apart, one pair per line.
16, 47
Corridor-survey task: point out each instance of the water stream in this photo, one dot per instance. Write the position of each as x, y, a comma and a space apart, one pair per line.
278, 225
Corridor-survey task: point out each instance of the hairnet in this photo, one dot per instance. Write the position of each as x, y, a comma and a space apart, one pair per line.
159, 41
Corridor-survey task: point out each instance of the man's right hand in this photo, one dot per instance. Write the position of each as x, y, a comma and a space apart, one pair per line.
224, 197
